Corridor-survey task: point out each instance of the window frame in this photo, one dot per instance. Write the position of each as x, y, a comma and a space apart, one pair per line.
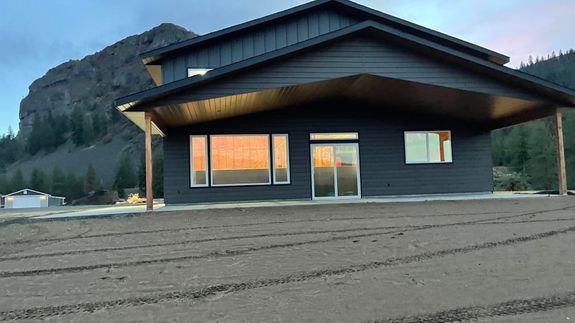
272, 152
426, 132
201, 71
334, 133
270, 181
190, 145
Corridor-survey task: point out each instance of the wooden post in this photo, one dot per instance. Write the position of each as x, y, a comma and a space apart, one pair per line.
561, 168
148, 142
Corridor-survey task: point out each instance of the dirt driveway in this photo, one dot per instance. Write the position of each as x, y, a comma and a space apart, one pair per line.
492, 260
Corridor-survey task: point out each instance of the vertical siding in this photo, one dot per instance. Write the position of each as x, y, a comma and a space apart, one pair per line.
383, 170
269, 38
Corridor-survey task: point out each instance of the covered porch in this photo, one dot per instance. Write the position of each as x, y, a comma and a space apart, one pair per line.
185, 108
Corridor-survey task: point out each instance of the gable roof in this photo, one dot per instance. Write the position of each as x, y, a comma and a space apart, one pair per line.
346, 6
33, 191
552, 90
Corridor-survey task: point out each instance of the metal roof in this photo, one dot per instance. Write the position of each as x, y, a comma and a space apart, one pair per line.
549, 89
348, 7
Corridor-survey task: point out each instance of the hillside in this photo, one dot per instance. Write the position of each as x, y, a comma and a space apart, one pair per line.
67, 119
529, 149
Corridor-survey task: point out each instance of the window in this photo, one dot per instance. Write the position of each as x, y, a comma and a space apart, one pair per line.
198, 160
281, 153
423, 147
197, 71
240, 160
334, 136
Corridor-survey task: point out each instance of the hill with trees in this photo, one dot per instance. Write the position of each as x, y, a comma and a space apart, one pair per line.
71, 140
529, 149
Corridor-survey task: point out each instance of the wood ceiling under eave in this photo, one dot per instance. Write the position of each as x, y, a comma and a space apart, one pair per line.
488, 111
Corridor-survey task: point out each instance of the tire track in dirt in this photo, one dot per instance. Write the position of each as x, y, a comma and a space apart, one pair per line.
513, 307
192, 241
201, 293
112, 234
237, 252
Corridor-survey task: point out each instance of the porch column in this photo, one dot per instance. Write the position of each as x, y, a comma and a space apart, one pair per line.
148, 143
561, 168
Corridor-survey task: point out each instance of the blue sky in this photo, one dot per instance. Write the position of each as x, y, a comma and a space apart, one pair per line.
37, 35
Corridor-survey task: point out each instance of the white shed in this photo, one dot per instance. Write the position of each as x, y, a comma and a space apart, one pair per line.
28, 198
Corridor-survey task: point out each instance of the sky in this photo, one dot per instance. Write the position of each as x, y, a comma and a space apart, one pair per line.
36, 35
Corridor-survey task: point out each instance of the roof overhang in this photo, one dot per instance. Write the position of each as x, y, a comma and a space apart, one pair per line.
387, 94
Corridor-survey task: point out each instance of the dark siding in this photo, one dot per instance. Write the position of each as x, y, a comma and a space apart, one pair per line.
272, 37
383, 170
361, 54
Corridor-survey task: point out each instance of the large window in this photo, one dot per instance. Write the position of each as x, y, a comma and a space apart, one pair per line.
423, 147
240, 159
281, 160
199, 161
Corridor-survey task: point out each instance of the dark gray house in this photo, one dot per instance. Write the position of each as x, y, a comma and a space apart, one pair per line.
332, 100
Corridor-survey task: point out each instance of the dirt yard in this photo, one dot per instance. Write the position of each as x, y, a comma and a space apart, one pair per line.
492, 261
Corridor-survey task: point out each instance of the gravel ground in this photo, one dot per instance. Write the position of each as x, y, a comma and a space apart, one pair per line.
484, 260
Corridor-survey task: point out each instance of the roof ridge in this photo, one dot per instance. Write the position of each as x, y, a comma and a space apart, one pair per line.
159, 53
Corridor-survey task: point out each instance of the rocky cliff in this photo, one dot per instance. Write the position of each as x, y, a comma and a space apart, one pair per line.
90, 85
93, 82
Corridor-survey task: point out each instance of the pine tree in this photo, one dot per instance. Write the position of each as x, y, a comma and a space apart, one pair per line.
142, 174
77, 127
125, 176
87, 131
18, 182
58, 182
4, 184
158, 176
90, 180
518, 148
541, 164
38, 181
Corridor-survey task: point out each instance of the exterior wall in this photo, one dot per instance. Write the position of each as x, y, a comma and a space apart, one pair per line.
55, 201
357, 55
382, 154
267, 39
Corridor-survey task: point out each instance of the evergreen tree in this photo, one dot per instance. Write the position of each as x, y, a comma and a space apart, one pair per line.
125, 176
4, 184
77, 127
18, 182
90, 180
38, 181
74, 188
87, 131
142, 174
158, 176
58, 182
35, 138
541, 164
518, 148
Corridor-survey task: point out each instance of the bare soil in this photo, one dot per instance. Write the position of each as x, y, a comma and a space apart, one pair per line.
490, 260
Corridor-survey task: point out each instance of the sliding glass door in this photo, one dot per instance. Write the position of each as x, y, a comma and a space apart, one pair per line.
335, 171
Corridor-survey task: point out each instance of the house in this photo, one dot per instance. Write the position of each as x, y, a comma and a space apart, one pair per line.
28, 198
332, 100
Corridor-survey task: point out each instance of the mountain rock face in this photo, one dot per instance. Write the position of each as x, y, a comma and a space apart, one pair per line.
95, 81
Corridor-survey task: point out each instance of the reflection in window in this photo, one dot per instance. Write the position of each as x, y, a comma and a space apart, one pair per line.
281, 153
334, 136
428, 147
198, 158
240, 159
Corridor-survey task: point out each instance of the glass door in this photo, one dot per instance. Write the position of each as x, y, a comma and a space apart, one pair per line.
335, 171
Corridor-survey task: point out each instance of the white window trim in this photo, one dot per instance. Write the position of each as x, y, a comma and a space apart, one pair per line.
192, 161
426, 133
287, 159
356, 134
241, 184
195, 71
